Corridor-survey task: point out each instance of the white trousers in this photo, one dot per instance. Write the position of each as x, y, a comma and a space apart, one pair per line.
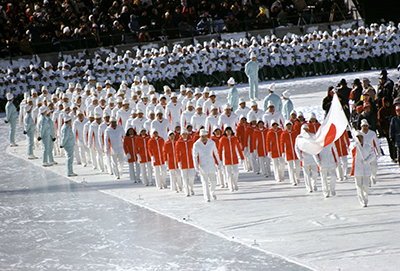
208, 182
160, 176
175, 179
362, 185
146, 170
254, 162
81, 156
188, 180
279, 169
294, 171
107, 162
374, 170
328, 187
117, 164
247, 160
99, 158
132, 174
137, 171
232, 176
310, 177
93, 157
264, 163
341, 170
220, 177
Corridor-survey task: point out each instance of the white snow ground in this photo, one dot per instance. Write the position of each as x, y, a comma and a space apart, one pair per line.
322, 234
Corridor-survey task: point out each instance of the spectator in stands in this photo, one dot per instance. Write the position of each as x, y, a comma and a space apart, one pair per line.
263, 17
185, 29
282, 17
250, 21
232, 24
204, 27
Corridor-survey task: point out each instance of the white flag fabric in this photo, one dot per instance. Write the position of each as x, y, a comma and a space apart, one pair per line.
330, 130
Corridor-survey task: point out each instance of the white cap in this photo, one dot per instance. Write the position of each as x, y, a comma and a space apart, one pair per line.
288, 122
158, 111
312, 115
153, 130
171, 132
126, 101
253, 103
144, 78
67, 118
189, 103
252, 55
364, 122
272, 87
358, 133
286, 94
293, 112
227, 105
133, 111
203, 132
216, 127
184, 131
9, 96
274, 121
206, 90
231, 81
91, 114
212, 93
113, 119
304, 126
97, 115
300, 114
241, 100
270, 103
106, 114
42, 110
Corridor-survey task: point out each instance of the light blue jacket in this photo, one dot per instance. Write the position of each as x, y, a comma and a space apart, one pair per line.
11, 112
275, 99
43, 127
29, 125
67, 137
251, 69
287, 107
233, 98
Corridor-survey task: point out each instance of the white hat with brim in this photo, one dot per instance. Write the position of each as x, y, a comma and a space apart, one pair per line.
203, 132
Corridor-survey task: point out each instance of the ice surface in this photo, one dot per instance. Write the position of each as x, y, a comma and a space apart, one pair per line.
109, 231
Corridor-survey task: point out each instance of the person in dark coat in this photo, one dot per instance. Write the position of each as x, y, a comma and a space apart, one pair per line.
385, 114
394, 132
326, 103
356, 92
344, 96
385, 89
370, 116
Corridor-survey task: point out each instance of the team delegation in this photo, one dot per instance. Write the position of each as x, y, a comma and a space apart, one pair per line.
190, 135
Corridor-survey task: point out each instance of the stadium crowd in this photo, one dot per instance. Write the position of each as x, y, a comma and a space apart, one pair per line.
31, 27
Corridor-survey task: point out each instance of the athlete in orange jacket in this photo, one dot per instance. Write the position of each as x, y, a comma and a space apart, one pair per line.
169, 156
228, 151
342, 144
288, 141
184, 157
261, 148
156, 152
129, 149
275, 151
141, 150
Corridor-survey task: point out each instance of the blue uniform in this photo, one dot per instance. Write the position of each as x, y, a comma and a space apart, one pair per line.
52, 129
251, 70
44, 133
68, 142
275, 99
233, 98
287, 107
29, 128
11, 117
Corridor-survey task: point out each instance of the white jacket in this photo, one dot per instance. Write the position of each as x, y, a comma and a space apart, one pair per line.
362, 157
198, 120
268, 117
371, 139
94, 141
114, 140
327, 158
224, 120
186, 117
211, 120
162, 126
203, 156
77, 129
173, 112
123, 116
101, 133
305, 158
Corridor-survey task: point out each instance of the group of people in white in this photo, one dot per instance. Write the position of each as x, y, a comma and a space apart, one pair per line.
189, 135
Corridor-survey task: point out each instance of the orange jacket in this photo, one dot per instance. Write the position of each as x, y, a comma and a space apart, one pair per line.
228, 147
342, 143
169, 154
260, 141
314, 127
141, 147
129, 147
183, 153
288, 140
196, 136
241, 133
298, 125
156, 150
274, 143
249, 138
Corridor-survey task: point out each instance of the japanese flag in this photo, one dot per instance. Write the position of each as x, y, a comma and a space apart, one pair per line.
331, 129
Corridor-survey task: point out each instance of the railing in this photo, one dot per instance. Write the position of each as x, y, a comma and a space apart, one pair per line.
165, 35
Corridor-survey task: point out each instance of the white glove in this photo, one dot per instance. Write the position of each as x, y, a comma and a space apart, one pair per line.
180, 165
197, 169
319, 164
270, 155
139, 158
128, 156
153, 160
